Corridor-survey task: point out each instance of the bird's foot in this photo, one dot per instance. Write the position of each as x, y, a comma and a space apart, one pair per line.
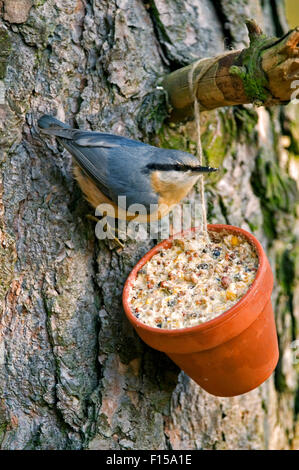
108, 229
111, 234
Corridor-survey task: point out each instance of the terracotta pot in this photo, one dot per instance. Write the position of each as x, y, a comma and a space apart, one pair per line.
231, 354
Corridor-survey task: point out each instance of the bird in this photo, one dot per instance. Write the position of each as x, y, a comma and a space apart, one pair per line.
115, 170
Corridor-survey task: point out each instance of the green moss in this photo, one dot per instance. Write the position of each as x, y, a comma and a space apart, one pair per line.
237, 123
293, 133
153, 112
279, 378
253, 227
219, 132
215, 153
286, 263
296, 407
276, 191
219, 137
5, 50
269, 225
285, 270
223, 209
39, 3
8, 258
174, 137
264, 406
157, 21
3, 427
286, 257
245, 123
249, 70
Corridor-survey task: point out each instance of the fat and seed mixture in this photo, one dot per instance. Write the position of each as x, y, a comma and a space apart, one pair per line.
194, 280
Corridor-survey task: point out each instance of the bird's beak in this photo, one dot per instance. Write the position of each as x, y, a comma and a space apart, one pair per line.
203, 169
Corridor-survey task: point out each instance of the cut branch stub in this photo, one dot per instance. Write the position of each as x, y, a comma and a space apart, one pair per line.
254, 31
281, 65
262, 74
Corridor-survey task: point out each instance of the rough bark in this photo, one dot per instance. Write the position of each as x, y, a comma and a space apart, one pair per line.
73, 374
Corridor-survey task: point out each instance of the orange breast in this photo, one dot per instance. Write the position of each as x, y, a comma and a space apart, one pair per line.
95, 197
170, 193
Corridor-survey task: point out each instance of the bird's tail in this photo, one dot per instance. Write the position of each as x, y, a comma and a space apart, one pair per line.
52, 126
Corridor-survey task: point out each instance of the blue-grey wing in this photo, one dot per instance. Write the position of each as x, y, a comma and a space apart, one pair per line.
115, 164
128, 178
92, 163
99, 139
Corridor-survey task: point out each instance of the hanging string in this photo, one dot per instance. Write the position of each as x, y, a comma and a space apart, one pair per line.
205, 64
199, 151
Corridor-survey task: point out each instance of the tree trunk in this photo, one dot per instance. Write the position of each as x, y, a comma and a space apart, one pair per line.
73, 373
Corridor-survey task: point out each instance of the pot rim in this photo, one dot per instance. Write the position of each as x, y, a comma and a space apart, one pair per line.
220, 319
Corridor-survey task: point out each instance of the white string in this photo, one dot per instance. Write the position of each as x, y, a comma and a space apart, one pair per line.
199, 151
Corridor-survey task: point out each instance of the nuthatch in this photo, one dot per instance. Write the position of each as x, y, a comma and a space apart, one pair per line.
107, 166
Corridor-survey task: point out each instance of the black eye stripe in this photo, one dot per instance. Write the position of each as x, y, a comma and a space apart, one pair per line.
179, 167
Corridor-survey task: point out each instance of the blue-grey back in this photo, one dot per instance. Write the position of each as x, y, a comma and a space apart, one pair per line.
117, 165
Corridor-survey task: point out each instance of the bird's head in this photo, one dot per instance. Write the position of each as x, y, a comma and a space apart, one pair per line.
176, 175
